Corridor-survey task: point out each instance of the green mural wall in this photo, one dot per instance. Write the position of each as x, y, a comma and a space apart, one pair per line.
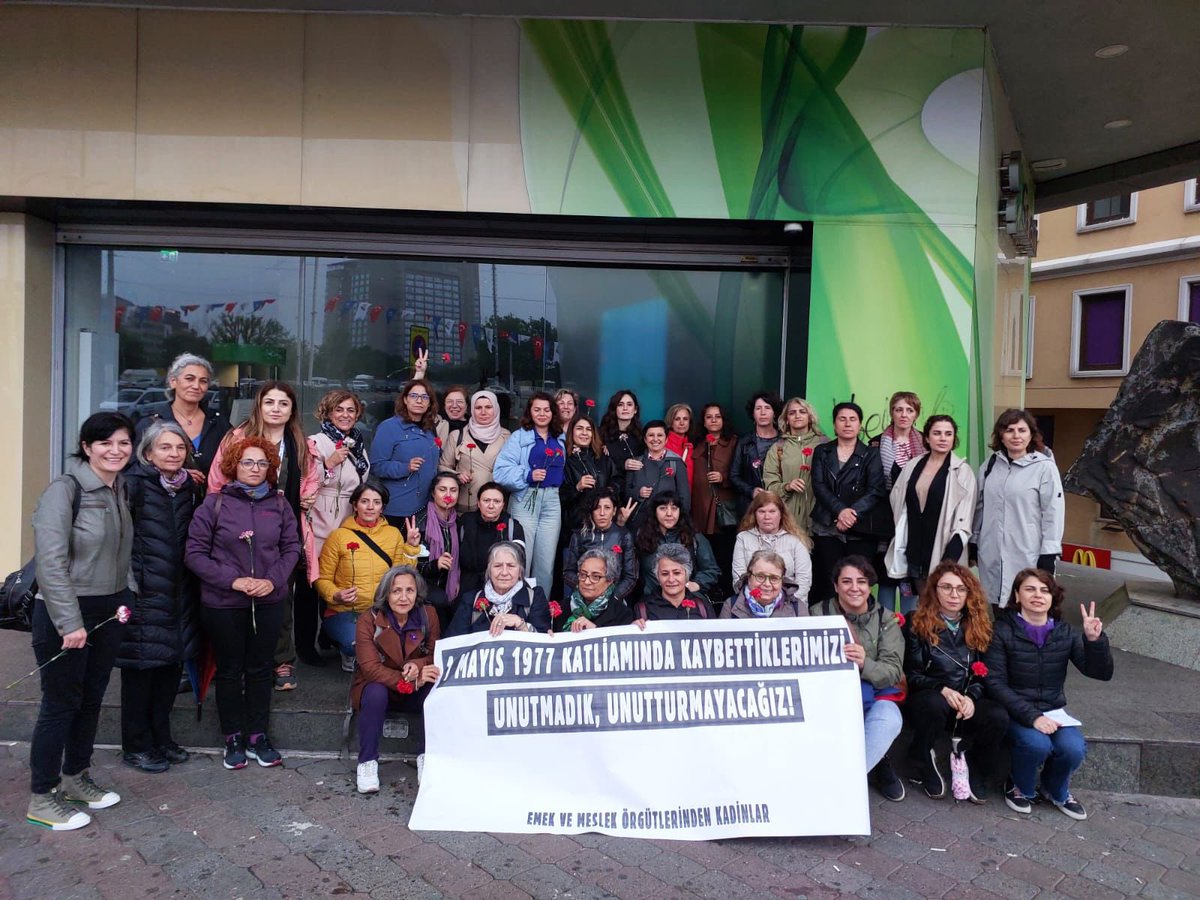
872, 134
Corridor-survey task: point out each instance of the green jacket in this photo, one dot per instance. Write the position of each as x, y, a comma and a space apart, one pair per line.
878, 630
786, 460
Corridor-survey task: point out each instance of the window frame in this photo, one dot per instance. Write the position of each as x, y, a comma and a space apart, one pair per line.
1191, 195
1082, 226
1029, 333
1077, 298
1185, 298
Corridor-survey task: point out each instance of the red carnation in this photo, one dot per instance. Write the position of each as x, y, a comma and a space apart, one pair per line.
617, 549
339, 445
438, 442
670, 472
353, 545
470, 446
404, 687
807, 451
688, 604
711, 438
756, 593
445, 357
500, 527
481, 605
900, 620
555, 609
979, 669
589, 403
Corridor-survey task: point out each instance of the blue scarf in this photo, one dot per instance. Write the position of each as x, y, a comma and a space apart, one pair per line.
259, 492
757, 609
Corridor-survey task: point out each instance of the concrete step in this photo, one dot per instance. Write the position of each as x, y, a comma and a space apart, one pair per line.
1143, 727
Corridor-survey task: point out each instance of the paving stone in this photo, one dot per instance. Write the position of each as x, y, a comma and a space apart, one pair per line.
463, 844
895, 845
720, 885
972, 892
289, 870
548, 847
409, 888
1188, 846
672, 868
869, 860
505, 861
368, 874
791, 855
631, 851
917, 878
497, 890
545, 882
846, 879
1163, 892
1188, 881
1112, 876
1006, 886
1032, 872
755, 871
209, 875
1164, 856
631, 883
1081, 888
336, 851
881, 890
587, 865
450, 875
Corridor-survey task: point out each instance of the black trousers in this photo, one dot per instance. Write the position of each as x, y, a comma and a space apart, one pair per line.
930, 716
244, 655
147, 696
306, 621
827, 552
73, 688
722, 542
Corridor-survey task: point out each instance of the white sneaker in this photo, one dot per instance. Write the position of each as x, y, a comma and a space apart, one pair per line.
368, 777
349, 662
420, 766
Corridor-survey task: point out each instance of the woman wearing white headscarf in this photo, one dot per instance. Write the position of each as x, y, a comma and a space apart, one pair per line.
471, 452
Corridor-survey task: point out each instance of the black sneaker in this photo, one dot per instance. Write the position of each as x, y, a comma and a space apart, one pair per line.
235, 752
150, 761
884, 777
925, 772
174, 754
260, 749
979, 788
1016, 801
1071, 807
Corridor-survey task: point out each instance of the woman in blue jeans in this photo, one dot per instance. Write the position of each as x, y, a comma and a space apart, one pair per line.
1027, 667
530, 466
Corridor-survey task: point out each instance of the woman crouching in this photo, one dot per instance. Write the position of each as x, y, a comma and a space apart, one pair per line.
394, 643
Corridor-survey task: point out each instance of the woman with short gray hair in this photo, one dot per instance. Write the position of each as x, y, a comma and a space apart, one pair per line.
164, 631
394, 645
189, 378
672, 600
595, 603
506, 601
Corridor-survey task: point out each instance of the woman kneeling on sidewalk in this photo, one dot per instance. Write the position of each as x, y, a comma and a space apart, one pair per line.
394, 645
1027, 668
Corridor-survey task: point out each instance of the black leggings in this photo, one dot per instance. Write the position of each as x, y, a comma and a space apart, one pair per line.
244, 651
930, 716
147, 696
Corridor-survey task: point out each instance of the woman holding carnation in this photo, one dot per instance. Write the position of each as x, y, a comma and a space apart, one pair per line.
601, 532
507, 600
478, 531
788, 465
945, 643
764, 592
674, 600
471, 452
621, 430
595, 603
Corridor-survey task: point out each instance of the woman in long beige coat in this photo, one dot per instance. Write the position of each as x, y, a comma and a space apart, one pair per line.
471, 453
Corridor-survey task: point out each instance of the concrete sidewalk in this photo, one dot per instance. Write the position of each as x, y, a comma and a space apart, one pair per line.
301, 831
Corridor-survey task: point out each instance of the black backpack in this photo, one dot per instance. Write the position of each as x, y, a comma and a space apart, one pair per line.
20, 588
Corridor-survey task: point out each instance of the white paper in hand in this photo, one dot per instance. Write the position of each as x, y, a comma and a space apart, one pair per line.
1062, 717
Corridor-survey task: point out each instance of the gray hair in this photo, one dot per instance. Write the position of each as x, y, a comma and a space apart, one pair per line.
511, 547
384, 591
181, 362
768, 556
612, 567
676, 553
156, 429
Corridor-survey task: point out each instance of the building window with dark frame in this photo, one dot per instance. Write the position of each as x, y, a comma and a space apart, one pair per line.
1100, 332
1189, 300
1108, 210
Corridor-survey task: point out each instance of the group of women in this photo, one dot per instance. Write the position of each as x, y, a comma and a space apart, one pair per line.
270, 542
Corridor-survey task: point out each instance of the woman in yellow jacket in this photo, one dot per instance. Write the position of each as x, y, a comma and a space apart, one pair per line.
355, 558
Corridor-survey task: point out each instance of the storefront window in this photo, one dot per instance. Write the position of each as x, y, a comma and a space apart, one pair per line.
357, 322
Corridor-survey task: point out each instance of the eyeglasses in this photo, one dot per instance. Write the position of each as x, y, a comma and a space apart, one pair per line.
766, 579
254, 464
957, 589
413, 395
591, 576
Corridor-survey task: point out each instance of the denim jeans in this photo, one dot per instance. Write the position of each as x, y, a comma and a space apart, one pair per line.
1057, 755
541, 524
72, 689
340, 628
881, 724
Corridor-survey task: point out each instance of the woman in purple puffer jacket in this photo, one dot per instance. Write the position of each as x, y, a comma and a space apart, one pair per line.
243, 544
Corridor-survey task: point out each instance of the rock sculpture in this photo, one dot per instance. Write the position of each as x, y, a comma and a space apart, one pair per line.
1142, 464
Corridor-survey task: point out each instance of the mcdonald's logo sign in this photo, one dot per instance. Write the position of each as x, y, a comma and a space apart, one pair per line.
1093, 557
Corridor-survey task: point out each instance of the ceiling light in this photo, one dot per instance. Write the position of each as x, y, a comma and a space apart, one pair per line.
1118, 123
1112, 51
1049, 165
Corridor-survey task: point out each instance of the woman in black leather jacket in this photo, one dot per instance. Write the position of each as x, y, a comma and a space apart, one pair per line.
851, 515
944, 646
164, 630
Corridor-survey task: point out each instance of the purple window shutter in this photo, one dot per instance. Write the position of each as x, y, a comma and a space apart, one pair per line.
1194, 300
1102, 331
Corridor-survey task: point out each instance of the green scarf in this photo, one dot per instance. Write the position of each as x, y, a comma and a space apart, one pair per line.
589, 611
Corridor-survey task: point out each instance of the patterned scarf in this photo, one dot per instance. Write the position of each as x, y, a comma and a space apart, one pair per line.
501, 603
580, 608
436, 543
892, 452
757, 609
171, 484
358, 453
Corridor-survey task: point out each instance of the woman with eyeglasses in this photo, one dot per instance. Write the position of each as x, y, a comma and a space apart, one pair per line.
594, 602
276, 418
674, 599
767, 525
933, 505
601, 532
764, 592
945, 642
406, 451
243, 545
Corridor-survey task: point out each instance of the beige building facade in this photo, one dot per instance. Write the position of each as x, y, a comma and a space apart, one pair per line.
1105, 274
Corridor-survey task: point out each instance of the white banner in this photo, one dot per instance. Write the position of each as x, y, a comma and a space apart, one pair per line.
689, 730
